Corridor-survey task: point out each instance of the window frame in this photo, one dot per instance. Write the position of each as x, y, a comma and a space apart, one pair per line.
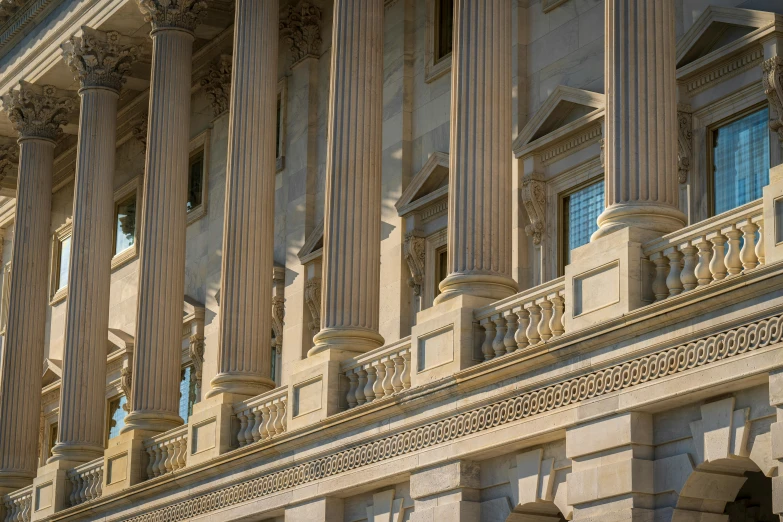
433, 244
116, 397
562, 251
200, 144
121, 195
434, 67
57, 293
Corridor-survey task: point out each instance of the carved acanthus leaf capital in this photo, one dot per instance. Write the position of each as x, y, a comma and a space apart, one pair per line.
415, 255
684, 142
9, 157
772, 78
39, 112
534, 199
99, 59
217, 84
312, 295
301, 27
173, 14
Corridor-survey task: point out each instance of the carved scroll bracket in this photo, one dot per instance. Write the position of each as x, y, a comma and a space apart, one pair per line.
684, 141
414, 252
772, 78
534, 199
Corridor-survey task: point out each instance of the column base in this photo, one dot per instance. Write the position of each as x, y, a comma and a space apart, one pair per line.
656, 218
10, 481
487, 286
209, 427
239, 383
75, 452
346, 339
152, 422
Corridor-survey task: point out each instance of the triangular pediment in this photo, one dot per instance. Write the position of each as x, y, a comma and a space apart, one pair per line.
433, 178
563, 110
52, 371
313, 243
722, 29
120, 340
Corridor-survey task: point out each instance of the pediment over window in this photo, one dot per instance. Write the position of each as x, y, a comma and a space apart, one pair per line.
723, 31
429, 184
120, 341
566, 111
52, 371
313, 245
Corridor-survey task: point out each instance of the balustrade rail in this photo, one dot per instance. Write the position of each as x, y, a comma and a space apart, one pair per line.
19, 505
262, 417
167, 451
717, 248
86, 482
524, 319
379, 373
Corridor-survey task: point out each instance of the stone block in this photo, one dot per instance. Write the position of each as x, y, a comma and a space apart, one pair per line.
210, 429
776, 388
125, 461
445, 477
605, 434
453, 512
317, 390
325, 509
51, 489
626, 477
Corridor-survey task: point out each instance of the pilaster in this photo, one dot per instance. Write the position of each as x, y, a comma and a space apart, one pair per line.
447, 491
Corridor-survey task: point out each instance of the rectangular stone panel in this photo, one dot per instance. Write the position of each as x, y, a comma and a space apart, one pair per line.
43, 496
204, 436
307, 396
117, 469
597, 288
436, 348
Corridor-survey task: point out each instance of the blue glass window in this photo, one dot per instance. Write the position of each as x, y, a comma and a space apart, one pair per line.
63, 263
117, 415
740, 160
580, 212
187, 393
125, 221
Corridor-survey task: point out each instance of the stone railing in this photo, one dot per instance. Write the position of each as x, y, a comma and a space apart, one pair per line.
262, 417
723, 246
86, 482
379, 373
525, 319
167, 451
19, 505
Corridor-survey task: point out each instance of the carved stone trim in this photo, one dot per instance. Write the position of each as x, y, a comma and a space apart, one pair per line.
684, 141
196, 353
217, 84
9, 157
549, 5
99, 59
126, 384
725, 70
139, 131
415, 255
312, 295
301, 28
278, 315
39, 112
773, 88
571, 145
534, 199
173, 14
678, 359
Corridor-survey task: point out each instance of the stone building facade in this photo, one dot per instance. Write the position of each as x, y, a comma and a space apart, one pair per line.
391, 260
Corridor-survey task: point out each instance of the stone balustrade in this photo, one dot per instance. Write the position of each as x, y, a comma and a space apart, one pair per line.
379, 373
167, 451
717, 248
524, 319
262, 417
86, 482
19, 505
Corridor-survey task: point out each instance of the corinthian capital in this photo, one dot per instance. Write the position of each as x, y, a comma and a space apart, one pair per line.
99, 59
217, 84
38, 112
301, 27
173, 14
772, 78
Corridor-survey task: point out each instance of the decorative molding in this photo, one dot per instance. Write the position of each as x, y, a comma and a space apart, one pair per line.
9, 157
684, 141
139, 130
217, 84
173, 14
725, 70
99, 59
126, 384
549, 5
39, 112
573, 144
196, 346
435, 210
278, 314
671, 361
415, 254
534, 199
312, 295
15, 26
8, 8
772, 79
301, 28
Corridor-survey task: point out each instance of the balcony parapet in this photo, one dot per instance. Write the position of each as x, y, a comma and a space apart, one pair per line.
379, 373
263, 416
86, 482
167, 452
19, 505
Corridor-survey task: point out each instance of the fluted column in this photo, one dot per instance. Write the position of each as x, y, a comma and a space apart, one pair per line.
37, 113
479, 233
156, 360
352, 225
248, 230
99, 61
641, 118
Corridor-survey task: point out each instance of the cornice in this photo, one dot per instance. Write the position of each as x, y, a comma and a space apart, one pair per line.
15, 27
722, 70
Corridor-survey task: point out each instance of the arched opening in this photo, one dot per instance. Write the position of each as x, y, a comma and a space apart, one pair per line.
753, 501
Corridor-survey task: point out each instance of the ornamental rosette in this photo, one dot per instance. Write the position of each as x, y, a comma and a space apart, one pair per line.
99, 59
173, 14
38, 112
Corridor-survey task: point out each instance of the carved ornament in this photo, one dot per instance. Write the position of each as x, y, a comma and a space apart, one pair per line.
278, 314
173, 14
772, 79
217, 84
301, 28
534, 199
38, 112
196, 352
684, 142
126, 384
312, 295
99, 59
139, 131
415, 256
9, 157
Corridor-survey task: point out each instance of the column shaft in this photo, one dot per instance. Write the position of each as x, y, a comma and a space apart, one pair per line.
83, 391
248, 231
479, 233
23, 350
352, 225
156, 361
641, 118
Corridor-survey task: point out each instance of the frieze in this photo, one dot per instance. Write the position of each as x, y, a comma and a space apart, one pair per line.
725, 70
571, 145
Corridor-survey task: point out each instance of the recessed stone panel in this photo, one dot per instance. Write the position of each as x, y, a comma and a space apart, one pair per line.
43, 496
436, 348
204, 436
307, 396
117, 469
597, 288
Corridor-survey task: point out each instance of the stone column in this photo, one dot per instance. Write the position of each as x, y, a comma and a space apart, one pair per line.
248, 230
99, 61
156, 361
480, 220
641, 118
352, 224
37, 113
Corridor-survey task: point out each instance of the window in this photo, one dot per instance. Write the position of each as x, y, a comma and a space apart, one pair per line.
116, 416
187, 392
198, 176
196, 180
61, 258
444, 27
581, 209
52, 439
442, 268
740, 161
125, 224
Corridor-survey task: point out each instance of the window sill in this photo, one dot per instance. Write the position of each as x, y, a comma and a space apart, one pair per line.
196, 214
435, 70
59, 296
125, 256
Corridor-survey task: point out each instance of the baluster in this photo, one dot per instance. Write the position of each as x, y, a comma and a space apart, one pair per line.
733, 261
546, 315
283, 406
243, 420
158, 468
558, 309
717, 264
92, 493
399, 364
183, 451
388, 380
168, 447
369, 394
380, 375
688, 276
534, 312
498, 347
150, 462
659, 287
703, 272
74, 497
269, 425
100, 482
248, 433
405, 362
748, 252
279, 417
760, 250
673, 282
353, 381
360, 399
258, 420
511, 329
489, 337
523, 321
